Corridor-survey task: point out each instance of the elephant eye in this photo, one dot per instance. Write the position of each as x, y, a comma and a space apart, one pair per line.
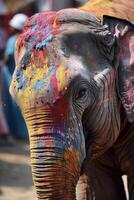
81, 93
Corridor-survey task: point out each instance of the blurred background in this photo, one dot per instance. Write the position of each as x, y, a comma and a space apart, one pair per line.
15, 170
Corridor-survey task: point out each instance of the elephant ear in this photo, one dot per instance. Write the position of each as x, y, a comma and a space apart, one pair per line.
124, 33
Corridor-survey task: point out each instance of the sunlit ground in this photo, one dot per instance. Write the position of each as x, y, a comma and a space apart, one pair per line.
15, 173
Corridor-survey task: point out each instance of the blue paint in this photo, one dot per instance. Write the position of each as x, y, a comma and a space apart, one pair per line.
44, 43
38, 84
33, 27
18, 74
22, 82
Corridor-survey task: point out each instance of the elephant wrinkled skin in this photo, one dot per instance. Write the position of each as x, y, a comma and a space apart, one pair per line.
74, 85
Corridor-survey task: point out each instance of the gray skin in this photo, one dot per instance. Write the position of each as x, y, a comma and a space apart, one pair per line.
93, 111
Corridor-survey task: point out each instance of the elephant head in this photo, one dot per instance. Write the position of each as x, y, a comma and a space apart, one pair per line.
65, 84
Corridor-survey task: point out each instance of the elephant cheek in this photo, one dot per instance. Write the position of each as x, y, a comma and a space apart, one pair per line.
55, 167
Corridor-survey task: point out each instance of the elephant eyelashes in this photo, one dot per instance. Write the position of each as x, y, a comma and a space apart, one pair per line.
81, 94
80, 91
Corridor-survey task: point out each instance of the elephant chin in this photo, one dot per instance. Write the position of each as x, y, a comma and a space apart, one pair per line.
55, 167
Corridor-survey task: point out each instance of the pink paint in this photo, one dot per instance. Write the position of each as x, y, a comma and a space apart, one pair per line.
54, 86
131, 47
61, 133
130, 96
53, 83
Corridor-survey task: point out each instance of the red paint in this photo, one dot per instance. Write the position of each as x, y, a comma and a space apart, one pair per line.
38, 28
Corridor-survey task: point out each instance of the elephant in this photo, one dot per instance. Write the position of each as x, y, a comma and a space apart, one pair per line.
74, 82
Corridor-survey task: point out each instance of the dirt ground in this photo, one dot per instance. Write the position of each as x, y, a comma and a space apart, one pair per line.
15, 173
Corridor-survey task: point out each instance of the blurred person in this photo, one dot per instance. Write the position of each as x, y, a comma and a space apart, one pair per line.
5, 137
16, 26
13, 114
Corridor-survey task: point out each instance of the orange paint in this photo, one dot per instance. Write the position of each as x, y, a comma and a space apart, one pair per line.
116, 8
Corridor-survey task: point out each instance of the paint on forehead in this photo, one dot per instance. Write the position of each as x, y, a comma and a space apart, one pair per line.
44, 43
38, 33
39, 30
39, 79
54, 82
60, 75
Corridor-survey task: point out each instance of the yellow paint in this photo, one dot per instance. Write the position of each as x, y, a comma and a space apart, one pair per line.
13, 85
46, 69
34, 73
40, 130
27, 96
60, 75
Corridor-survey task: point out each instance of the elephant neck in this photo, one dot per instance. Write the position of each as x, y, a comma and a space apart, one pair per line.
126, 129
103, 124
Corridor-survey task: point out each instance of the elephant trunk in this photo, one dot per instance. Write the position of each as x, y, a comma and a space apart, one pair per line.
55, 166
55, 152
55, 170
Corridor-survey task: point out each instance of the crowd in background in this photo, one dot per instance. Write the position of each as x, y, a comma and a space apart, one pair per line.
12, 125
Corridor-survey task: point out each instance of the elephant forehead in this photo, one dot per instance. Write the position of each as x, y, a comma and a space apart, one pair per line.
44, 80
